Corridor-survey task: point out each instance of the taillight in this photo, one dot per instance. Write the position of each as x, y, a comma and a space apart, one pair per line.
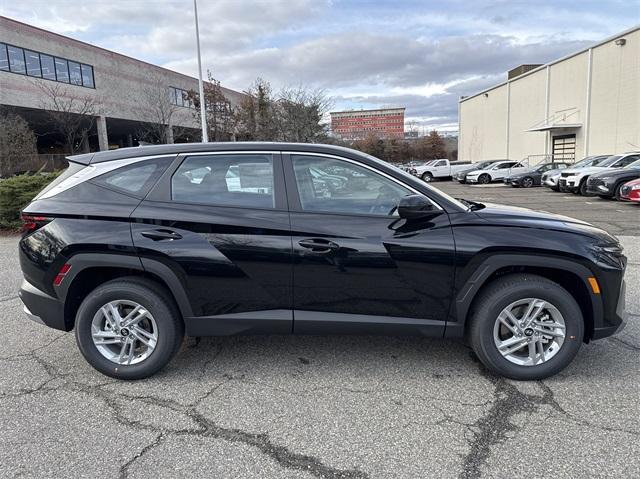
31, 223
57, 281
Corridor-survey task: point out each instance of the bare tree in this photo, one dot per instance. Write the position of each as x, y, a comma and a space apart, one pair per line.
221, 116
17, 143
159, 109
71, 113
299, 114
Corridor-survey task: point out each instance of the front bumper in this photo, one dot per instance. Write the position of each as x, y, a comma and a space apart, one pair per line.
615, 323
42, 308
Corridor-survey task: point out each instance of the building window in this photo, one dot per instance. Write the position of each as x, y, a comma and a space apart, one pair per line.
16, 59
87, 76
4, 58
48, 67
34, 64
62, 70
74, 73
180, 97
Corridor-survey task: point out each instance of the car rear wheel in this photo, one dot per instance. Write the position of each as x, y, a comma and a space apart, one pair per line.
484, 179
126, 328
526, 327
427, 177
527, 182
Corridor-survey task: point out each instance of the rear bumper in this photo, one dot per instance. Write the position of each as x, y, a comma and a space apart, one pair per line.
42, 308
616, 322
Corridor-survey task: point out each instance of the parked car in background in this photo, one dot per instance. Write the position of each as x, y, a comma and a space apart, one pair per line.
411, 166
439, 169
461, 175
133, 252
533, 176
575, 180
609, 183
631, 191
496, 172
551, 178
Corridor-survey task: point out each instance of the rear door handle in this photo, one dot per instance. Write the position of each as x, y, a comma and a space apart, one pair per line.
161, 235
319, 245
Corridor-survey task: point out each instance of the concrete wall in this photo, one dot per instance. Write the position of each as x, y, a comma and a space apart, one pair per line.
120, 81
605, 103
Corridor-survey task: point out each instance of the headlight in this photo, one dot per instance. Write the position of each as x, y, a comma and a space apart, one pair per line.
609, 255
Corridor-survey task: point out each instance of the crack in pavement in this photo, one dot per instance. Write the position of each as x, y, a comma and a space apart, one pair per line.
205, 428
493, 427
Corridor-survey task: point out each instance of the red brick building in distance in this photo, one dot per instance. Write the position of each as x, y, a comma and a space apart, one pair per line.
357, 124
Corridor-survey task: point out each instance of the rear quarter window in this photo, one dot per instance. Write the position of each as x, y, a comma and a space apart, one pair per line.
135, 179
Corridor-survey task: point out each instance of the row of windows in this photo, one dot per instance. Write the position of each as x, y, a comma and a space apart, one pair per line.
325, 185
34, 64
366, 115
368, 122
180, 97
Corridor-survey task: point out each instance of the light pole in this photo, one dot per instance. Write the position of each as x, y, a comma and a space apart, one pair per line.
203, 118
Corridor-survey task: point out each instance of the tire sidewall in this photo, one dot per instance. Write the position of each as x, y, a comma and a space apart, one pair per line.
561, 299
427, 177
161, 312
484, 179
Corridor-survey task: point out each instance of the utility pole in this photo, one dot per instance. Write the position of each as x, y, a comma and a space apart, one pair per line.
203, 117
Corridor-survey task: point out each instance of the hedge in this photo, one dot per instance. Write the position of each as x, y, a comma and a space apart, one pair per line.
16, 193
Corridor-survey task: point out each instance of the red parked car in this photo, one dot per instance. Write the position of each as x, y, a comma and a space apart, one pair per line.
631, 191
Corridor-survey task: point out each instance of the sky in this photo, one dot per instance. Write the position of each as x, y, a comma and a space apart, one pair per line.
422, 55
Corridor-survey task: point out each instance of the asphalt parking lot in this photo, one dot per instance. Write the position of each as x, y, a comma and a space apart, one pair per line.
361, 407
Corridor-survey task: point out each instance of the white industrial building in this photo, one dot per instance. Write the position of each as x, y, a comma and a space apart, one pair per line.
587, 103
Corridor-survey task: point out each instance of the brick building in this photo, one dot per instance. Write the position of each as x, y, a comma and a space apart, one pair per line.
357, 124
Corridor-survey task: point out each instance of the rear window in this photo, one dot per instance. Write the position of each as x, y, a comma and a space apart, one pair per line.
70, 171
135, 179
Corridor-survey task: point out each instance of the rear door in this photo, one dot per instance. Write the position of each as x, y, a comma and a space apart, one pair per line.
358, 267
219, 222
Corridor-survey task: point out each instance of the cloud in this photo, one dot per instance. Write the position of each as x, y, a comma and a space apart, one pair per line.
365, 53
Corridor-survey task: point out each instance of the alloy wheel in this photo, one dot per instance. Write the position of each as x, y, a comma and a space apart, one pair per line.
124, 332
529, 332
527, 182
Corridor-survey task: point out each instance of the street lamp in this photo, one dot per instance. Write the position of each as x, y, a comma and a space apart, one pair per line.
203, 118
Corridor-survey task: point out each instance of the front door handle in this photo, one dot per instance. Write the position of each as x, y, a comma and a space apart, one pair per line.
319, 245
161, 235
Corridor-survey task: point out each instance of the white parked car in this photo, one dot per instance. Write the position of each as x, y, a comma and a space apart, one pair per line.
575, 179
496, 172
441, 168
551, 178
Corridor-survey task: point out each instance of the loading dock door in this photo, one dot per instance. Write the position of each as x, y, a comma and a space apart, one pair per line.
564, 148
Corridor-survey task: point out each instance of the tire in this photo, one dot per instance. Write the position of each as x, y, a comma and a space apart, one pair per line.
527, 182
617, 195
582, 189
484, 179
427, 177
502, 293
164, 318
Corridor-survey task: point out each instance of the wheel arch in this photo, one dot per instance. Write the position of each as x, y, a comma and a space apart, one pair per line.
570, 275
89, 270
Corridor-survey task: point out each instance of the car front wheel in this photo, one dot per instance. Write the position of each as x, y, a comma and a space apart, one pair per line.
484, 179
527, 182
427, 177
526, 327
127, 329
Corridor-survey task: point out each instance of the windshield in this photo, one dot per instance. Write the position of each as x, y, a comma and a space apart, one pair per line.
609, 161
482, 165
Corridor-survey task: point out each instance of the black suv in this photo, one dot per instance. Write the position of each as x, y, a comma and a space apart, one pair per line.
137, 247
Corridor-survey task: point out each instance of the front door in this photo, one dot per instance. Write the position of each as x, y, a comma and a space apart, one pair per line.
358, 267
220, 223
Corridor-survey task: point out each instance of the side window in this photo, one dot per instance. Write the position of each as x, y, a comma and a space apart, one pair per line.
135, 179
243, 180
518, 165
327, 185
626, 161
441, 163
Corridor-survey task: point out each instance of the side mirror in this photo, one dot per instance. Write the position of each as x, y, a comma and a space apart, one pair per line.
415, 206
